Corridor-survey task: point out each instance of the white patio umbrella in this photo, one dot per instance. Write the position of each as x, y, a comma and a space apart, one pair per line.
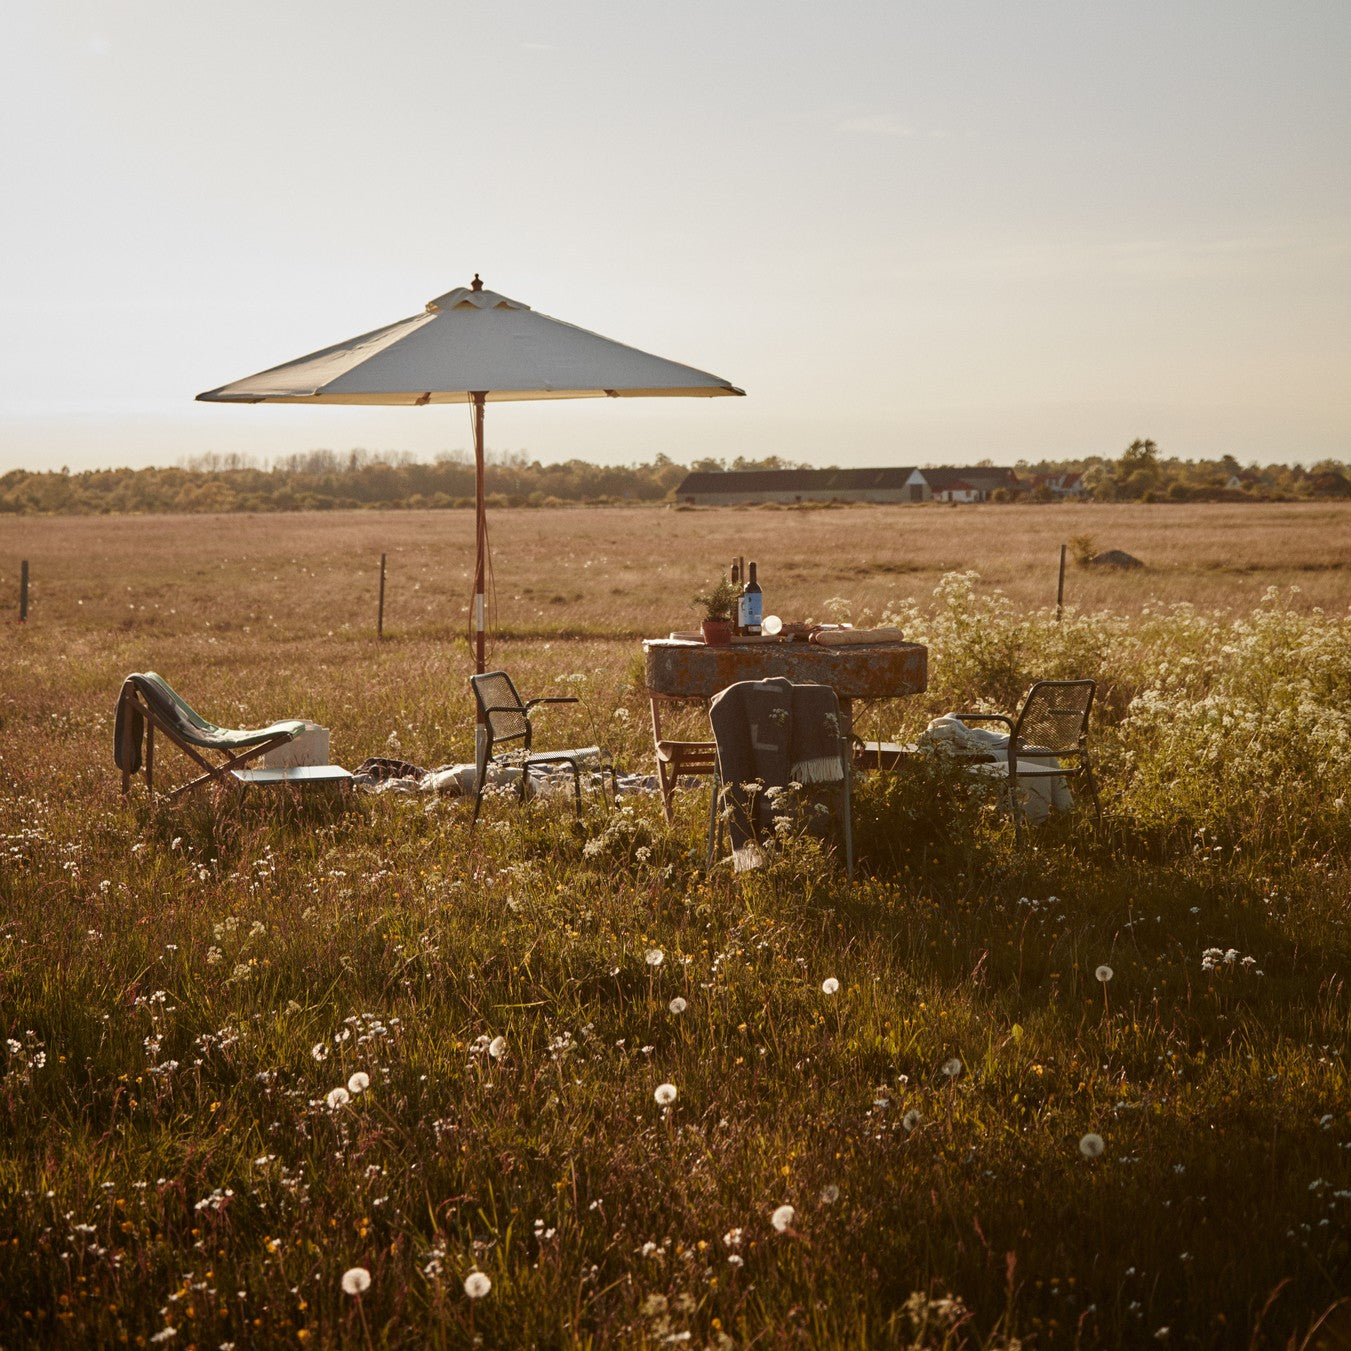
473, 346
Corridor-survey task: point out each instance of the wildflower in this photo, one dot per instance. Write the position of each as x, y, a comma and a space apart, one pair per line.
665, 1094
319, 1050
1104, 974
166, 1334
654, 957
829, 985
910, 1120
952, 1068
830, 1193
782, 1218
359, 1082
732, 1238
477, 1284
356, 1281
677, 1005
1090, 1145
497, 1048
338, 1097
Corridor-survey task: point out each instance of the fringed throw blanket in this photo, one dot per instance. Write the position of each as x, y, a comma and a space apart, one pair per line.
771, 733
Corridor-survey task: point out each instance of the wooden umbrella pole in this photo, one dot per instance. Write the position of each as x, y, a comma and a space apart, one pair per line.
480, 532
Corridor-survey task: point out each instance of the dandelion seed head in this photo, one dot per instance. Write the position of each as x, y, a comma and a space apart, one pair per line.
829, 985
830, 1193
338, 1097
1104, 973
356, 1281
1091, 1145
497, 1048
910, 1120
782, 1218
654, 957
359, 1082
665, 1094
477, 1284
952, 1068
677, 1005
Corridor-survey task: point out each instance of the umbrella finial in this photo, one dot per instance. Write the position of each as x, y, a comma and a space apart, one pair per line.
476, 284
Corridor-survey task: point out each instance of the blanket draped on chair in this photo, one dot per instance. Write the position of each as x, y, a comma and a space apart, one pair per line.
180, 721
771, 733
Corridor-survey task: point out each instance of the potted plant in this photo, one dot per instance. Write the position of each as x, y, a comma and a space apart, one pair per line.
717, 607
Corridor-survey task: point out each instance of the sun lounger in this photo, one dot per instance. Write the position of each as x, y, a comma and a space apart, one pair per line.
147, 702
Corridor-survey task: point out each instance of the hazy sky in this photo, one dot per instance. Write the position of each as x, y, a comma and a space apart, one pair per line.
910, 231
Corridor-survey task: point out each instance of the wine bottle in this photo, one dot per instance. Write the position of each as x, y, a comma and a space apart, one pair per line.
752, 603
736, 603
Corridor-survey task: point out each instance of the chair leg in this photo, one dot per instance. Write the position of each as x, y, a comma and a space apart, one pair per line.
1093, 791
666, 781
714, 822
848, 806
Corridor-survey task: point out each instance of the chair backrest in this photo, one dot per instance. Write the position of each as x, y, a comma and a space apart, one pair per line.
1054, 716
502, 708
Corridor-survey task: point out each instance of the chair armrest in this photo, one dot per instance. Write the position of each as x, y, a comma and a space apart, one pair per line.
985, 717
551, 699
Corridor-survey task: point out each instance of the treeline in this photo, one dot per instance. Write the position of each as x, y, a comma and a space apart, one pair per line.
324, 480
1142, 474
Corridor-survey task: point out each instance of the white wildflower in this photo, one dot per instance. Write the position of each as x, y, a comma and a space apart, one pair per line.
356, 1281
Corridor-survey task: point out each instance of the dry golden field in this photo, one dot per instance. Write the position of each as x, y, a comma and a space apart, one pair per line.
626, 571
294, 597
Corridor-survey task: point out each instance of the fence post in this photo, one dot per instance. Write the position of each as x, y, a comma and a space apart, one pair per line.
1060, 589
23, 592
380, 617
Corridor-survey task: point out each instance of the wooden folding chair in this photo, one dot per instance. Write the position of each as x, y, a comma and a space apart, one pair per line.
147, 702
675, 758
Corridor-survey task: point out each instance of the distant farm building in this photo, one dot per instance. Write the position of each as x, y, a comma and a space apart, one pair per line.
734, 487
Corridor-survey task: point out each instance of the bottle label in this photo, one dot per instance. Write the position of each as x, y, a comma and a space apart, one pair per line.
752, 610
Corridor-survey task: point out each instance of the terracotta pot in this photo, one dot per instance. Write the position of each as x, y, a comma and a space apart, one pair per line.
717, 632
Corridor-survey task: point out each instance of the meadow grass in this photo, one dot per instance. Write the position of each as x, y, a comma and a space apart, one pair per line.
918, 1064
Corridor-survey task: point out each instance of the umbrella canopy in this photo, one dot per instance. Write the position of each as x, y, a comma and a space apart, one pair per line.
473, 346
466, 342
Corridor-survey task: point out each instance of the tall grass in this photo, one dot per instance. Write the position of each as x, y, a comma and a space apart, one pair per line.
915, 1063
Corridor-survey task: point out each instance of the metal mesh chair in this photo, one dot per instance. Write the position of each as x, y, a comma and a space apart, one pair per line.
506, 718
1052, 726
